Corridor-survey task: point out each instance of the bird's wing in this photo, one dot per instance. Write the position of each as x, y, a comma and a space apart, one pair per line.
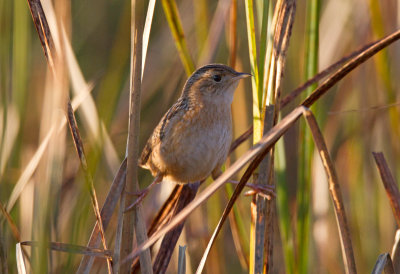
160, 130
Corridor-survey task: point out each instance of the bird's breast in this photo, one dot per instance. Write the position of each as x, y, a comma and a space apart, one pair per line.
198, 143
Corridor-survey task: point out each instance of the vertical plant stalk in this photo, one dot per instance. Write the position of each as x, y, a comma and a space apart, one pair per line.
262, 245
306, 144
262, 208
134, 221
257, 118
336, 195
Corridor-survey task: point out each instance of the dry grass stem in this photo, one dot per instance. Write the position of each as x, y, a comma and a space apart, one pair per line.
351, 65
389, 183
336, 195
134, 220
106, 212
321, 75
262, 208
170, 239
163, 215
70, 248
43, 30
89, 180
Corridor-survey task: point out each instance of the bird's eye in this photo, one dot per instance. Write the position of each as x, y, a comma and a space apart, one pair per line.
217, 78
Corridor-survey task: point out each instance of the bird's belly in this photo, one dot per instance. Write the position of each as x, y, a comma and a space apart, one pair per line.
197, 153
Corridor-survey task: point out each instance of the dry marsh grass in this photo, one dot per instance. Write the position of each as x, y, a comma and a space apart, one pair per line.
109, 70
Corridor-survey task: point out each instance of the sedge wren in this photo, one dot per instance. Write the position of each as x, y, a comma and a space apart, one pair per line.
192, 140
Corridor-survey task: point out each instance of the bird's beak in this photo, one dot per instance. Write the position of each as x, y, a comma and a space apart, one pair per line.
241, 75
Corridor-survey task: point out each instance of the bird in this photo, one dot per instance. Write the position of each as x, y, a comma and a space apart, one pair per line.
192, 140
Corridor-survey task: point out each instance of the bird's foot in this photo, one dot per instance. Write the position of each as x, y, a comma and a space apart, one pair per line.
141, 194
266, 191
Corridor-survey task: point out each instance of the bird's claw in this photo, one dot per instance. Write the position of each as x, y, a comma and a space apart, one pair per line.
266, 191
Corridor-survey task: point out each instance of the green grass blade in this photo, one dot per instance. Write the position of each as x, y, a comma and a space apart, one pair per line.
174, 22
306, 145
251, 38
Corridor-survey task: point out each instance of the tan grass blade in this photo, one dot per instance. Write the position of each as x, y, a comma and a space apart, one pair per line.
146, 31
88, 109
8, 132
70, 248
20, 259
34, 161
29, 170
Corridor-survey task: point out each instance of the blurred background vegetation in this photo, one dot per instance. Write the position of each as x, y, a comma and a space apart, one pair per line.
360, 115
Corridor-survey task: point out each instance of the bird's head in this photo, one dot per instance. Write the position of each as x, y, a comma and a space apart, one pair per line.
214, 83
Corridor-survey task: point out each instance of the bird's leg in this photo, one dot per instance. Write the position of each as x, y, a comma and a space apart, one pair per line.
143, 193
264, 190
